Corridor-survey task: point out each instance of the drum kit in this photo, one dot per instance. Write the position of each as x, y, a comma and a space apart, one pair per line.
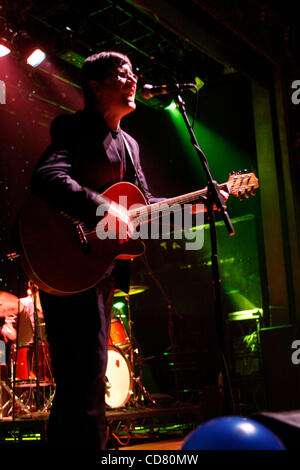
29, 370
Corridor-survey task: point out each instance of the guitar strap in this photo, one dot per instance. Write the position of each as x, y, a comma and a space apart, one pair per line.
135, 169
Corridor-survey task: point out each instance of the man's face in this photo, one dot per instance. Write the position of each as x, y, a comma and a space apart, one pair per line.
117, 92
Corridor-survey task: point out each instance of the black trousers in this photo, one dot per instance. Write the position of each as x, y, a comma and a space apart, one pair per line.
78, 330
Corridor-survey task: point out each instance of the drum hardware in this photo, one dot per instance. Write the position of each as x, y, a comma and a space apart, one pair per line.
141, 395
25, 401
6, 394
13, 397
133, 290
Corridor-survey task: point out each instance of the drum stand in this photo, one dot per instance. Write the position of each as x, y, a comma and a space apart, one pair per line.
27, 384
140, 394
47, 403
13, 399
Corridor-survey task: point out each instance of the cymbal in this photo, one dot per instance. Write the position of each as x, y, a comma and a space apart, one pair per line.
132, 291
8, 304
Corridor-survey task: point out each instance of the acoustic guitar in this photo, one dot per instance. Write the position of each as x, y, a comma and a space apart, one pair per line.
62, 256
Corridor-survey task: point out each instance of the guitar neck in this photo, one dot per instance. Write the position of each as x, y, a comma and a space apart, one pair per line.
238, 184
146, 212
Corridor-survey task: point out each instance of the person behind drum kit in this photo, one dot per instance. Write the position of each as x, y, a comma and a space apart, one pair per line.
26, 323
23, 321
19, 325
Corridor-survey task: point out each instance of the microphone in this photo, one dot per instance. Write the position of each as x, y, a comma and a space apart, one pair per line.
149, 91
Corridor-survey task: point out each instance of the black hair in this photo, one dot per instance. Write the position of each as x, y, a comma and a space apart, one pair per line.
98, 67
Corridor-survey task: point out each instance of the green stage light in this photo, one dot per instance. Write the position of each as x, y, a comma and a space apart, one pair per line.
171, 106
119, 305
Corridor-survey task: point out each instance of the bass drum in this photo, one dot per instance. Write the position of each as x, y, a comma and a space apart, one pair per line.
118, 379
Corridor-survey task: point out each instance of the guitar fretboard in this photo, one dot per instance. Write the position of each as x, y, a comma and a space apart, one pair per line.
147, 212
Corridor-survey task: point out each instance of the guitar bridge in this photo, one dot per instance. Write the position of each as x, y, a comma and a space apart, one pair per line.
80, 235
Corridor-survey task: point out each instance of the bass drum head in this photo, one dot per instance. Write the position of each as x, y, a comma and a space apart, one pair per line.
118, 379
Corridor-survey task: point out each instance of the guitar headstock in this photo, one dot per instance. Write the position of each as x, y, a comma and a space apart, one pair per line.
242, 184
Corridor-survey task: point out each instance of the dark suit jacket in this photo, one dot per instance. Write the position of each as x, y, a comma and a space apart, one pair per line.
79, 164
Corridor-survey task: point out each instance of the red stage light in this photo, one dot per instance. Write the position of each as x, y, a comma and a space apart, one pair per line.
36, 58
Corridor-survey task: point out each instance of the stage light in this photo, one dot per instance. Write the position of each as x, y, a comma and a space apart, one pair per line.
4, 50
5, 37
36, 58
119, 305
171, 106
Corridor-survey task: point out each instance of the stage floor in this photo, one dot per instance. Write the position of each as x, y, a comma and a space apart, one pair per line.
173, 444
127, 429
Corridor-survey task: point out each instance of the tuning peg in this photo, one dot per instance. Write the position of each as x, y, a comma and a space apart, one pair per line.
245, 171
246, 195
232, 173
252, 192
240, 195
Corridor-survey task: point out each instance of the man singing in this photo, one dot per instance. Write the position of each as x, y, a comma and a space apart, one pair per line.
89, 152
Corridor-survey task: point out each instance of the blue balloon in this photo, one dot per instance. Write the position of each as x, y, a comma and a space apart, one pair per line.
232, 433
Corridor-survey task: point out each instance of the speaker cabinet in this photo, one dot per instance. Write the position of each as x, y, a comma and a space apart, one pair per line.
286, 425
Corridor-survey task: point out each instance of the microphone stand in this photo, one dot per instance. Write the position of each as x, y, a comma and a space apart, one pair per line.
213, 199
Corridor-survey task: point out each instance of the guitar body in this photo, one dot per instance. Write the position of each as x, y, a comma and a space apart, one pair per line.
52, 255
